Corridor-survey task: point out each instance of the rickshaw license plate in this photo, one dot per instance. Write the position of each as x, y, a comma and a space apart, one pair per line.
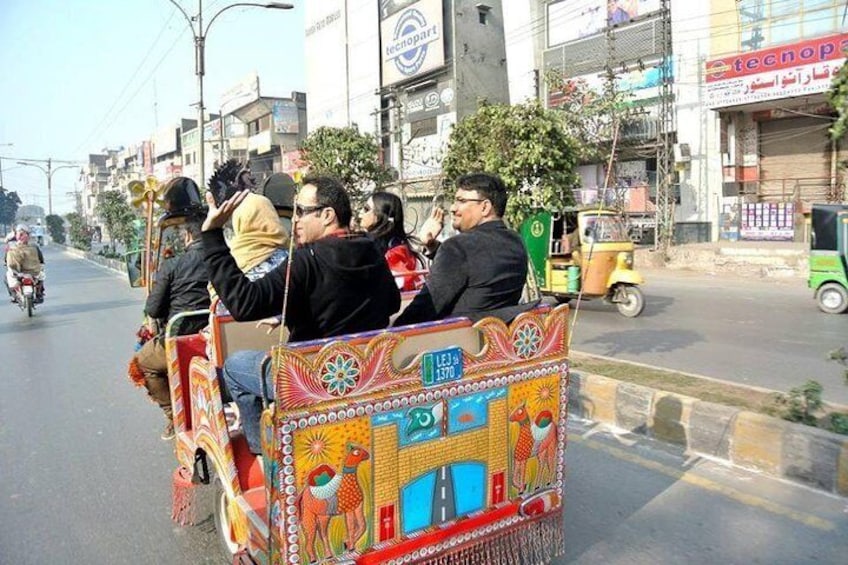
441, 366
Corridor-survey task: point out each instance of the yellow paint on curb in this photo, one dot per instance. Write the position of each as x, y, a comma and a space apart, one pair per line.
842, 470
597, 397
701, 482
757, 442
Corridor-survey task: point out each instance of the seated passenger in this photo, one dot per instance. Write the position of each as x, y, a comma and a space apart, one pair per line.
180, 287
339, 283
382, 219
259, 242
482, 268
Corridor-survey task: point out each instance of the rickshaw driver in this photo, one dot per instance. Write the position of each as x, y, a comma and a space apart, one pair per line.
481, 269
340, 283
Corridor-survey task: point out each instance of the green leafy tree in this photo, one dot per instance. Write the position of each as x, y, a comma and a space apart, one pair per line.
838, 98
80, 232
527, 146
117, 216
350, 156
9, 202
56, 227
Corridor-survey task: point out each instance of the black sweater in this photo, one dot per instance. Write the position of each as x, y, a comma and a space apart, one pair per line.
475, 271
338, 285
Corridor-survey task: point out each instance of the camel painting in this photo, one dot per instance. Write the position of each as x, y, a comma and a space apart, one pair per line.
327, 494
536, 438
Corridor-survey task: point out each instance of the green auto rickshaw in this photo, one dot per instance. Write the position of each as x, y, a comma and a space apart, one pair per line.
829, 257
587, 253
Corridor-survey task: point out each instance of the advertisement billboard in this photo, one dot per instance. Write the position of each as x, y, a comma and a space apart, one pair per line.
802, 68
412, 41
569, 20
286, 116
623, 11
240, 94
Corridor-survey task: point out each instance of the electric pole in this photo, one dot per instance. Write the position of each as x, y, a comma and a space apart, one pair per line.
665, 149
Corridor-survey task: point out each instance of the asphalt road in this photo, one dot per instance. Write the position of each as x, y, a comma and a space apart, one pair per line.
766, 333
84, 477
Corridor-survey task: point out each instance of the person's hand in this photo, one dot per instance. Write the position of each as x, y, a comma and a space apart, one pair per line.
218, 215
271, 323
432, 227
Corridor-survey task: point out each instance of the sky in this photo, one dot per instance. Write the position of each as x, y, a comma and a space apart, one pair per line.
83, 75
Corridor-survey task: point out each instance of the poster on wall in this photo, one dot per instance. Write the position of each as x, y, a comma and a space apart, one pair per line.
728, 224
286, 116
767, 221
422, 156
412, 41
803, 68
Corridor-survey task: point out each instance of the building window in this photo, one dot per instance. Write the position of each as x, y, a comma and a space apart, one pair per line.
767, 23
483, 14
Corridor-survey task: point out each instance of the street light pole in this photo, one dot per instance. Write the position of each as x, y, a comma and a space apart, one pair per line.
49, 172
199, 35
1, 161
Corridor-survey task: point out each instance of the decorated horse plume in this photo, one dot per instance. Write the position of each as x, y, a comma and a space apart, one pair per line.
228, 179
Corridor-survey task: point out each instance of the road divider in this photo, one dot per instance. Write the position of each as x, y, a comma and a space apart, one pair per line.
802, 454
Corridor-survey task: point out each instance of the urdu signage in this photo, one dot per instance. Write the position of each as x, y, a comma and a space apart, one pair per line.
412, 41
780, 72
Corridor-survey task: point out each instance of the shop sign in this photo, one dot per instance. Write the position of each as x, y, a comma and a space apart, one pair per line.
412, 41
429, 103
781, 72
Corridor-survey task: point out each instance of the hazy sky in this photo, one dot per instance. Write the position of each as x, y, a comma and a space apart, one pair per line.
83, 75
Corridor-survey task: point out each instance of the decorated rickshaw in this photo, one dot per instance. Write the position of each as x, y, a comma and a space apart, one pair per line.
432, 443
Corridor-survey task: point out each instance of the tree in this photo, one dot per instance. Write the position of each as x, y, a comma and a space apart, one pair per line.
591, 115
350, 156
9, 202
56, 227
527, 146
80, 232
117, 216
838, 98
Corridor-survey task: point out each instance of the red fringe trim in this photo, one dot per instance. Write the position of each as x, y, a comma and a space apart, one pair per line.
184, 497
135, 373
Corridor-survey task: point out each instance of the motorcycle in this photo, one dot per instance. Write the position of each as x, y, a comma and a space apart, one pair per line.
27, 293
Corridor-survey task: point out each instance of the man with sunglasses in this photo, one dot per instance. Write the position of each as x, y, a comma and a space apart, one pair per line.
339, 284
481, 269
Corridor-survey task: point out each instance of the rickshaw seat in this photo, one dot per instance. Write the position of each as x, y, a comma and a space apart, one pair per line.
230, 335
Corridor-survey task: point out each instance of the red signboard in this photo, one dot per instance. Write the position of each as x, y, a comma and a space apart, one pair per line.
784, 57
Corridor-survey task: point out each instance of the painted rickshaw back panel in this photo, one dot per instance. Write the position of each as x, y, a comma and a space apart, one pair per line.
380, 454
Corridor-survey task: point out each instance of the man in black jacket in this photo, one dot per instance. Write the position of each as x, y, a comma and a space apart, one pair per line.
340, 283
481, 269
181, 286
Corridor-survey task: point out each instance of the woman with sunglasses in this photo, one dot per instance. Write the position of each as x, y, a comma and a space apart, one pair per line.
382, 220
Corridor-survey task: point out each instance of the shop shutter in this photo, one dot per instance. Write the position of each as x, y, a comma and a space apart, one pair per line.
794, 158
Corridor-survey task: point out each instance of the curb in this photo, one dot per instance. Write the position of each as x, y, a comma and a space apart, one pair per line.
112, 264
802, 454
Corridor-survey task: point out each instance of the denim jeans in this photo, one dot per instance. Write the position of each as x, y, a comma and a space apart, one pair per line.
241, 376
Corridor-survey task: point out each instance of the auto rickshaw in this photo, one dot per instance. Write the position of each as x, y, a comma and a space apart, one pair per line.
584, 252
829, 257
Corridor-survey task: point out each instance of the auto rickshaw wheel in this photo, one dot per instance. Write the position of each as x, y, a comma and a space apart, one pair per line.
832, 298
631, 301
229, 546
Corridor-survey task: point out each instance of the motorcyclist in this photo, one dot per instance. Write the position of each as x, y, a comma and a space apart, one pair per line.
26, 258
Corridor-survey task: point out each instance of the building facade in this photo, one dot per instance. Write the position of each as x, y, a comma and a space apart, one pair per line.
405, 71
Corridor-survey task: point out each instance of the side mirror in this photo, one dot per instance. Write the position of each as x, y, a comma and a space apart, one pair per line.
134, 261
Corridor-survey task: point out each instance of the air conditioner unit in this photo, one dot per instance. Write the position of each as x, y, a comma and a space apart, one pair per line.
682, 153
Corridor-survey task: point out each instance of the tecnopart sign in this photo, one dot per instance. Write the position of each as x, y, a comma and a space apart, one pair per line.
412, 41
780, 72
